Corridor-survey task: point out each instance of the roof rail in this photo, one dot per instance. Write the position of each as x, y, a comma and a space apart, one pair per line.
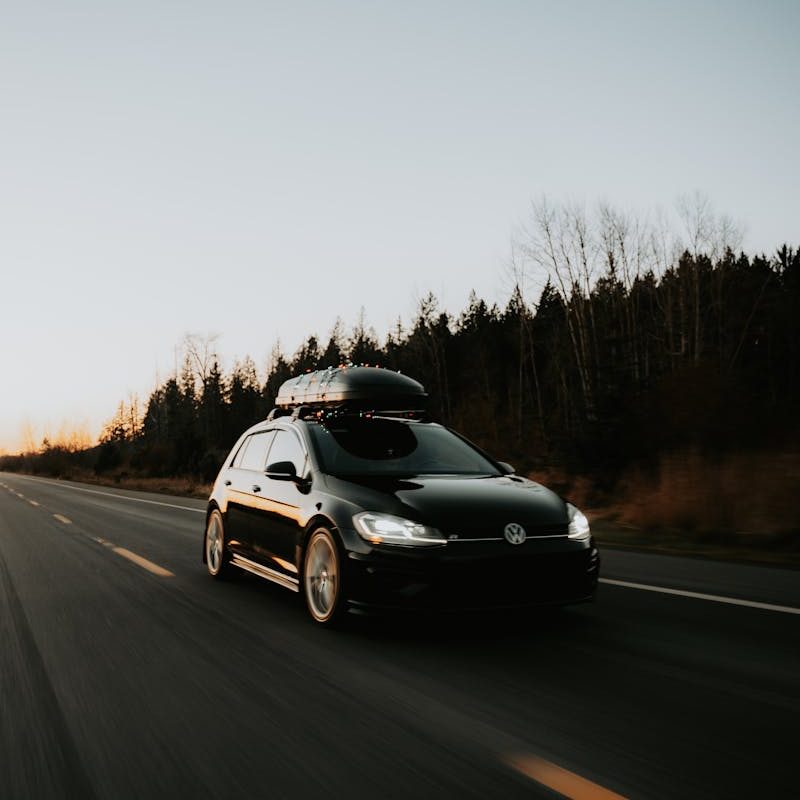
329, 413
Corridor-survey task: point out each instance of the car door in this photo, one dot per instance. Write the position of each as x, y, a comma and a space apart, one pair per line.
246, 477
279, 522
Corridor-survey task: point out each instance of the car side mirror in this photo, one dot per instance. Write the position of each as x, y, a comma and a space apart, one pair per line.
282, 471
506, 468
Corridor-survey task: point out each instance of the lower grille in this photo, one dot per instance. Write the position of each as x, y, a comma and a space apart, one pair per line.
485, 582
545, 578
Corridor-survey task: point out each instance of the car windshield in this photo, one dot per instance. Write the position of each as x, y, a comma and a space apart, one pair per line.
382, 447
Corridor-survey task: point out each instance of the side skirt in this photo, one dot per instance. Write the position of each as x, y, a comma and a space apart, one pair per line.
265, 572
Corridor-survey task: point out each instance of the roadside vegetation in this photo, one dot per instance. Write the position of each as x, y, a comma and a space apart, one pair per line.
653, 377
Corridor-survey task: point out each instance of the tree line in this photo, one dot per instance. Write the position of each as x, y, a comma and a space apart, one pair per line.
621, 340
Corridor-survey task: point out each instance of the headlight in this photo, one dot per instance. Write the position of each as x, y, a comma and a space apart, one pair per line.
578, 524
387, 529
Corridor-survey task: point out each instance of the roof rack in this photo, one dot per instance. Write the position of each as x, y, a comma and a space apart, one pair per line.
342, 412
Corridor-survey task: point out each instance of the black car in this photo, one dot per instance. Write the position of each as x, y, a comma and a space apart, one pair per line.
347, 494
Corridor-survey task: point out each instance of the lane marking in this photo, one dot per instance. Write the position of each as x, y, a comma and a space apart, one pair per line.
714, 598
118, 496
143, 563
135, 558
103, 542
560, 780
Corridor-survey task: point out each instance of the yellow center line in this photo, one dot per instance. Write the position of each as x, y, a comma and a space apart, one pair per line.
560, 780
62, 518
144, 563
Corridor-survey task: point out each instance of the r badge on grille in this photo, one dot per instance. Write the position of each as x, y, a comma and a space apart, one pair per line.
514, 533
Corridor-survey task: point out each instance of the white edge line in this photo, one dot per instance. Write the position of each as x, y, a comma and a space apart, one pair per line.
65, 485
714, 598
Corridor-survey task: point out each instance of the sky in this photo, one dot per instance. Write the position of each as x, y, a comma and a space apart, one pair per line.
256, 169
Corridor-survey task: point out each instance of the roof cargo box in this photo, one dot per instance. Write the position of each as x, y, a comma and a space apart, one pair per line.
355, 387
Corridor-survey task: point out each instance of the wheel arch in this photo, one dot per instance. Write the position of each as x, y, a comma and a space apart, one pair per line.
319, 520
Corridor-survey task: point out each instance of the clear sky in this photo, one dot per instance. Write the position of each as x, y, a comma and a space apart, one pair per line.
256, 169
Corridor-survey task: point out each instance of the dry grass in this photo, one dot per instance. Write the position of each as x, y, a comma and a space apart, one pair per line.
745, 493
743, 505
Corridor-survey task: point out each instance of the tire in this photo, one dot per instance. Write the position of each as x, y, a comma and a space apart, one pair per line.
322, 579
217, 559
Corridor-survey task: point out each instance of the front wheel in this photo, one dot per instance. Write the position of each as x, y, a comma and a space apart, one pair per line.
322, 578
217, 559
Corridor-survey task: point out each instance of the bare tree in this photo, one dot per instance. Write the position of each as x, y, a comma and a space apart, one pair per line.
134, 416
430, 332
709, 237
625, 241
519, 279
556, 240
201, 353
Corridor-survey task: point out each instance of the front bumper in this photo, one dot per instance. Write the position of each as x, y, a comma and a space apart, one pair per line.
469, 575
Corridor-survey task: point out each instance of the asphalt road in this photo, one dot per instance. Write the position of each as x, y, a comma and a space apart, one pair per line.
122, 677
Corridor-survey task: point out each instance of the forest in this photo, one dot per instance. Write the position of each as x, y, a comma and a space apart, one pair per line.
629, 365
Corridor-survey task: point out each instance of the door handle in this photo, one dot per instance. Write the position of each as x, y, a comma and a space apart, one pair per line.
227, 483
256, 488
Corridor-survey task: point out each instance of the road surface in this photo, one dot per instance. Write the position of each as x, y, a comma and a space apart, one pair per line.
125, 671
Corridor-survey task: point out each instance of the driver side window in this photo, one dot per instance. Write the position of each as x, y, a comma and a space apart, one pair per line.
286, 447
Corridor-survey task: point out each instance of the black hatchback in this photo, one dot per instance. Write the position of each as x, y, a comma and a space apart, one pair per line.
348, 495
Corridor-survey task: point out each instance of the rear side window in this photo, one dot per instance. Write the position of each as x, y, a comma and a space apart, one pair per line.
253, 453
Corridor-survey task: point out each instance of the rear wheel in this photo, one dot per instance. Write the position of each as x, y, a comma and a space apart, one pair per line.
322, 578
217, 560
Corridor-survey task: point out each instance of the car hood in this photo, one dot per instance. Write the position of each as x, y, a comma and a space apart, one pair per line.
461, 506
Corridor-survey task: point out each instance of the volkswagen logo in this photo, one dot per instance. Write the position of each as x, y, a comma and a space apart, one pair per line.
514, 533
